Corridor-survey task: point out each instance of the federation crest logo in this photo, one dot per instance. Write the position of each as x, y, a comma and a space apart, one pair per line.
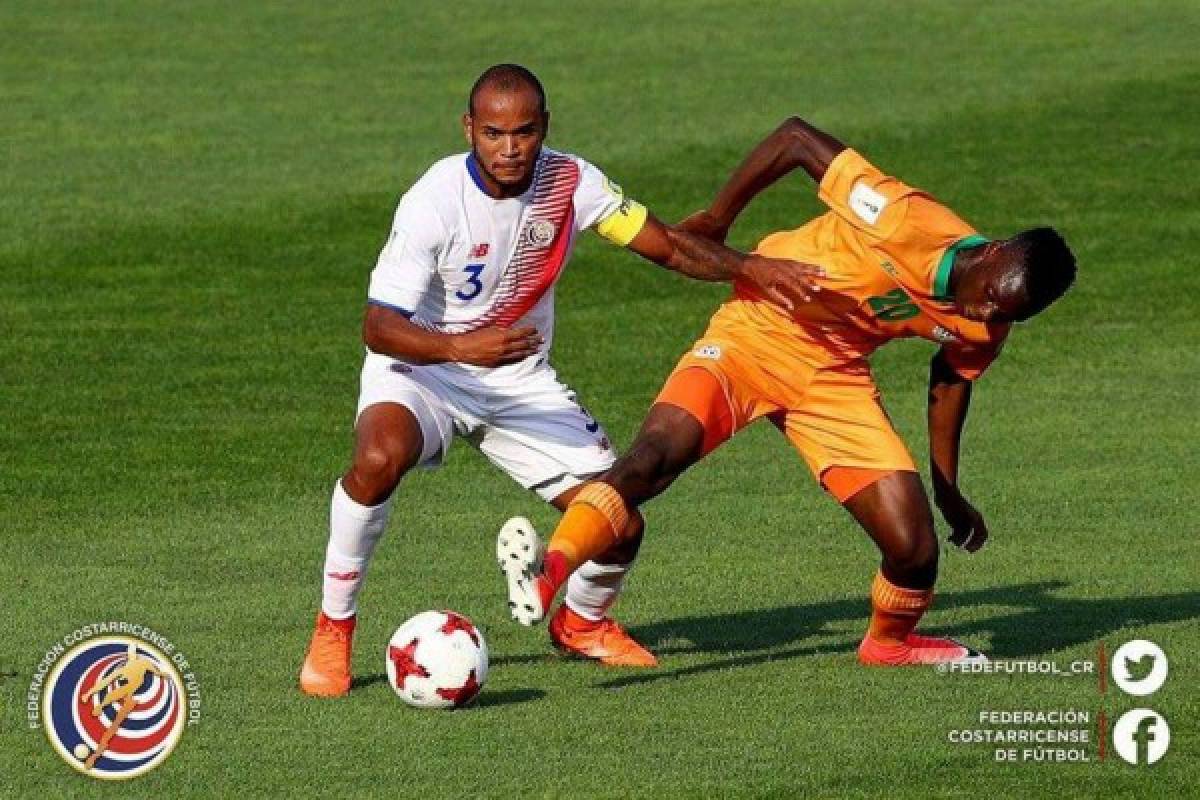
114, 707
539, 232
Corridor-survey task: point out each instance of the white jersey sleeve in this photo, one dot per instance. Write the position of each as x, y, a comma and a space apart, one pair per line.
409, 260
596, 197
602, 204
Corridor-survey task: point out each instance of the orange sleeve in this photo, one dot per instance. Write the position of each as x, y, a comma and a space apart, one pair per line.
970, 361
906, 224
860, 194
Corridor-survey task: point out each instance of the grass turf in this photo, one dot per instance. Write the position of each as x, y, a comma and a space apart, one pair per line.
195, 194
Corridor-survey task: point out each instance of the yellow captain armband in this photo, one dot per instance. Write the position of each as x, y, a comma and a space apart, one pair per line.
623, 224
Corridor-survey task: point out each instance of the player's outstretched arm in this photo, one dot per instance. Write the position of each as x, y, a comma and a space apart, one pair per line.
788, 283
793, 144
390, 333
949, 400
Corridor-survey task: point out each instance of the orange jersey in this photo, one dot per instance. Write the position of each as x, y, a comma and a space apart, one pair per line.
887, 250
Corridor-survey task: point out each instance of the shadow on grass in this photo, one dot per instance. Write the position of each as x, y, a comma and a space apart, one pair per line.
505, 698
368, 680
1045, 622
486, 697
1041, 622
526, 658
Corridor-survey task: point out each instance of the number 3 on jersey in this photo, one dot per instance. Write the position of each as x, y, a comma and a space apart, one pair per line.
473, 286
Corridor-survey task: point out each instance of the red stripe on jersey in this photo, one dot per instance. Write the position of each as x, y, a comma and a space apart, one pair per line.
535, 265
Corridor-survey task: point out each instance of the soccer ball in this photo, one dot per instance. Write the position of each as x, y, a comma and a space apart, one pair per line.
437, 659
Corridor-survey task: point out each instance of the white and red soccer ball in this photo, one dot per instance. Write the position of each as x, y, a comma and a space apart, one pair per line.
437, 659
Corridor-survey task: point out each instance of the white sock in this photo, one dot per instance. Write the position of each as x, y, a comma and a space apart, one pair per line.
592, 589
354, 530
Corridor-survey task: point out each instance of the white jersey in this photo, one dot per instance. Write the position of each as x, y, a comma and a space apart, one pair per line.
458, 259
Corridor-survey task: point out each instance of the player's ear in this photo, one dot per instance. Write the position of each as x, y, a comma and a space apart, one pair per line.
467, 124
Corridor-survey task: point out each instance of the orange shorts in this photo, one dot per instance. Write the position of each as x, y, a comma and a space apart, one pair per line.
831, 415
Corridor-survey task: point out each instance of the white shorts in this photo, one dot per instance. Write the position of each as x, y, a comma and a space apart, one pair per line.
534, 429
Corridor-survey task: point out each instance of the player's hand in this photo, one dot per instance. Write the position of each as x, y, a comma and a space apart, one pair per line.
704, 224
494, 347
787, 283
968, 531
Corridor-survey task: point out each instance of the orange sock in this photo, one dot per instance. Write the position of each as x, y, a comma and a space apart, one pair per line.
588, 528
895, 610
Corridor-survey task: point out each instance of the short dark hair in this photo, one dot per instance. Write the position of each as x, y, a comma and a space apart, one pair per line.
507, 77
1048, 266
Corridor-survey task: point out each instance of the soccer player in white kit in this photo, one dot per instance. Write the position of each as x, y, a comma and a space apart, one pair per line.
458, 327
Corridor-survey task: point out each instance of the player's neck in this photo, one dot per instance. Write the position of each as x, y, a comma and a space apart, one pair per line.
964, 261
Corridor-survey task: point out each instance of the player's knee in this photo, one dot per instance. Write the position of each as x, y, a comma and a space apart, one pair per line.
912, 557
378, 467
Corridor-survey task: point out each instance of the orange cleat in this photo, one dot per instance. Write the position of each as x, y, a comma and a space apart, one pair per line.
604, 641
916, 650
326, 670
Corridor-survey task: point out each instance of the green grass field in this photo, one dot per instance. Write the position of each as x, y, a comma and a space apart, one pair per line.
194, 195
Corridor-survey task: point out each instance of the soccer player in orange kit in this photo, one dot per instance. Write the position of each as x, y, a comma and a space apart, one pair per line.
897, 263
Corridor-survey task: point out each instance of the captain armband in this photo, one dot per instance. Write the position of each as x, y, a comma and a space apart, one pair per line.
623, 224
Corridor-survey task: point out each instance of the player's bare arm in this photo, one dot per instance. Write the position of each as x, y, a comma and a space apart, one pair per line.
785, 282
794, 144
949, 400
388, 332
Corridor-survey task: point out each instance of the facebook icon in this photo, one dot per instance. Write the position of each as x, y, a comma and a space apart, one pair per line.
1141, 736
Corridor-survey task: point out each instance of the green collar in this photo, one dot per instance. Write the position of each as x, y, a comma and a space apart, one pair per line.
941, 280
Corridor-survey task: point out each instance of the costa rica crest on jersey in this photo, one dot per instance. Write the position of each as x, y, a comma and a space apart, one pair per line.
539, 232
